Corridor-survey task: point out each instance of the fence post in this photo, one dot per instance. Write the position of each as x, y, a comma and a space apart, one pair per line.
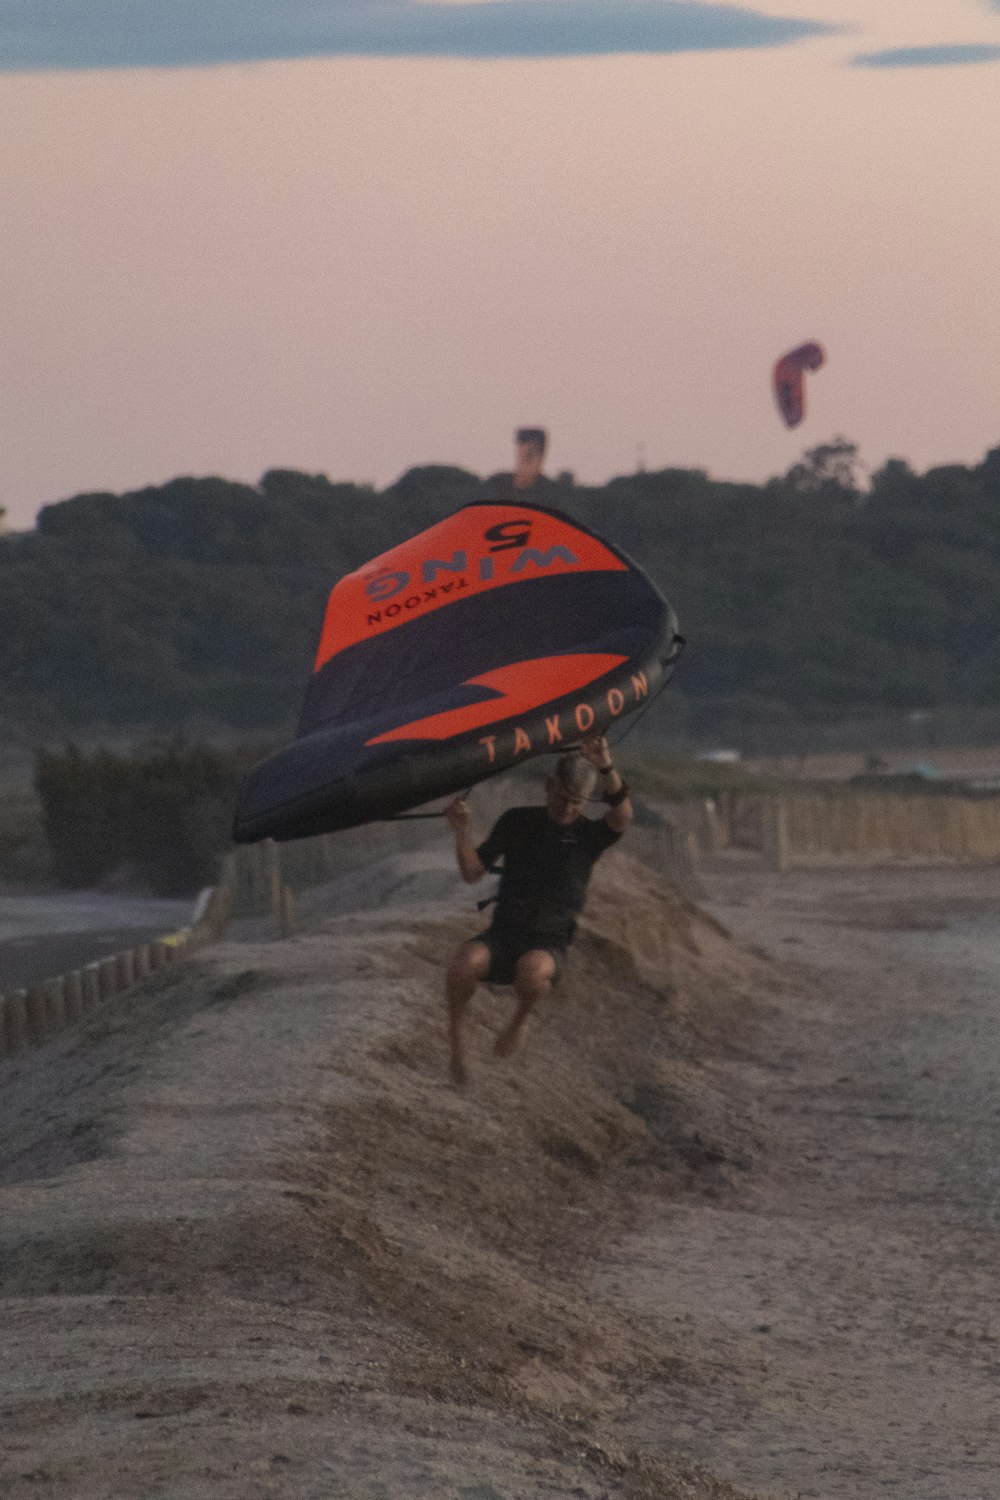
55, 1005
272, 869
107, 978
225, 909
215, 913
91, 988
37, 1013
261, 877
14, 1030
287, 911
711, 822
74, 996
775, 834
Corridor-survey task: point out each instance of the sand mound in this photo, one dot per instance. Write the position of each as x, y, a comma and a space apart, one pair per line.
253, 1243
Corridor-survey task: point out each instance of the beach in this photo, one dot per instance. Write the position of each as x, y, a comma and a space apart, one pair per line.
725, 1227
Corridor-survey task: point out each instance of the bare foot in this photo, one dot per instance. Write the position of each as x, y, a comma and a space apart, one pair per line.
509, 1041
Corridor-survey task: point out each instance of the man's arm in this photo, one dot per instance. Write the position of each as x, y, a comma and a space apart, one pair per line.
459, 815
620, 813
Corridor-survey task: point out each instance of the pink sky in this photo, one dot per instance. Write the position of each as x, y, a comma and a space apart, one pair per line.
357, 265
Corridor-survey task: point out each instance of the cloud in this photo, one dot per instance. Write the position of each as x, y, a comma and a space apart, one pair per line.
73, 34
929, 57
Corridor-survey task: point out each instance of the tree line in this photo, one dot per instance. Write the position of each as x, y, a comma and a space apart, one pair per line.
199, 601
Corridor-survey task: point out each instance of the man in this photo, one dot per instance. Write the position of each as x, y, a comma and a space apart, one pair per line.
548, 854
529, 455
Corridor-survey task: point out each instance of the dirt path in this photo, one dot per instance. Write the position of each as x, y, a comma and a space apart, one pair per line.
839, 1320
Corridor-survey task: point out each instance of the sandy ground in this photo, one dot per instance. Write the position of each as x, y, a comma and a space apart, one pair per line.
252, 1243
841, 1318
727, 1226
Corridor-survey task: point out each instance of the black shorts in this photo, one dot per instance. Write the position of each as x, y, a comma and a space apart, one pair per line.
507, 947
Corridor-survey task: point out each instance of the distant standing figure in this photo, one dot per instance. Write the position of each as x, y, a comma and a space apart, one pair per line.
548, 855
529, 455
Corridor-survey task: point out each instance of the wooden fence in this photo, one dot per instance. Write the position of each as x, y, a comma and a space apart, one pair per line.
33, 1016
819, 828
255, 874
797, 829
263, 880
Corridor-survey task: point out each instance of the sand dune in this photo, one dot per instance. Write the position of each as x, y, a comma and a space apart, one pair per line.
252, 1243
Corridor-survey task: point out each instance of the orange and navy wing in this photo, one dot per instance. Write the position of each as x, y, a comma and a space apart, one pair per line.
503, 632
508, 692
476, 552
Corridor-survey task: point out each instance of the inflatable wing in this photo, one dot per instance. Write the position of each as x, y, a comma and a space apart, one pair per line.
503, 632
789, 380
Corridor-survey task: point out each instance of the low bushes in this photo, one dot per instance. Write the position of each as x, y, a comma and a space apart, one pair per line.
161, 815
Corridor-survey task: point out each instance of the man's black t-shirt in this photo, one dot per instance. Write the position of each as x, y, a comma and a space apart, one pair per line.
546, 870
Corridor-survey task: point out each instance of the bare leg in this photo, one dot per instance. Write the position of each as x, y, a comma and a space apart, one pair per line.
533, 978
467, 968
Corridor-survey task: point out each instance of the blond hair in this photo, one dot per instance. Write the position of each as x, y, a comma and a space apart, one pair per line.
575, 776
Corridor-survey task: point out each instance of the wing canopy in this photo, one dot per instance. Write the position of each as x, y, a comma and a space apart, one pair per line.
503, 632
789, 380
